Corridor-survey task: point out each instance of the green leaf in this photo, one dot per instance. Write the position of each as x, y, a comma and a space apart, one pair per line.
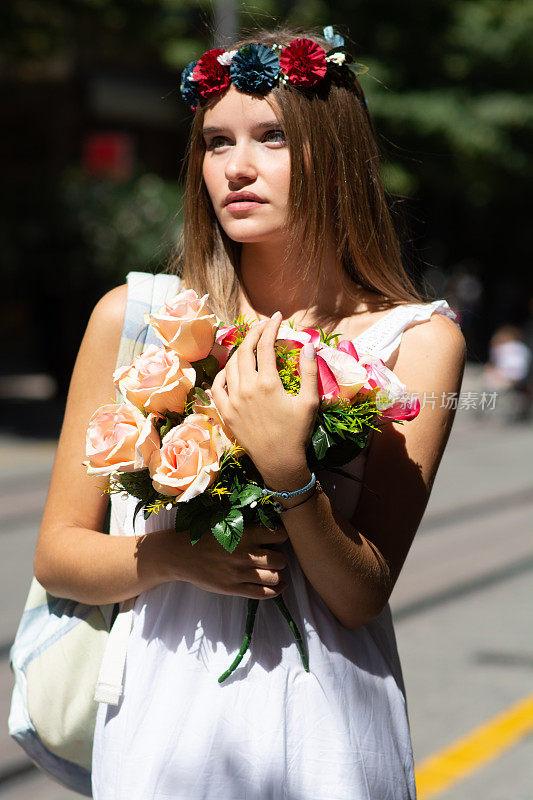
139, 484
165, 428
199, 526
228, 528
321, 441
201, 396
185, 513
265, 519
209, 365
249, 494
222, 534
236, 520
138, 507
207, 500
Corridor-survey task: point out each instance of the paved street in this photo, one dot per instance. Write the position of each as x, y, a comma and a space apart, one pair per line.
461, 606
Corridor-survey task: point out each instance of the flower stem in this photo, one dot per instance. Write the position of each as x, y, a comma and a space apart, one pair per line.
294, 628
248, 629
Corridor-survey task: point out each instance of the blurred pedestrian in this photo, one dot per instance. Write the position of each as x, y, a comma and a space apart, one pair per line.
527, 337
509, 369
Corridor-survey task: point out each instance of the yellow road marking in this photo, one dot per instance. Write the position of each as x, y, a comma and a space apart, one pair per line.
453, 763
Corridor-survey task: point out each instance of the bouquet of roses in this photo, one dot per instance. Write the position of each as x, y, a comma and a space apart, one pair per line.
167, 445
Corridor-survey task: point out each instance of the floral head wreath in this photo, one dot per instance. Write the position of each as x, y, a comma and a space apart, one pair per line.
256, 68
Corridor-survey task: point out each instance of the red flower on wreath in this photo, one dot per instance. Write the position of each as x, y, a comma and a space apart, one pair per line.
303, 62
209, 75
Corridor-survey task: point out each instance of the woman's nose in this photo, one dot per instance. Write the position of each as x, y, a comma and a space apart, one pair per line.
240, 164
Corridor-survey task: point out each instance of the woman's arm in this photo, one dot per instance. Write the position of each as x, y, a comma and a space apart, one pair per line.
354, 565
73, 559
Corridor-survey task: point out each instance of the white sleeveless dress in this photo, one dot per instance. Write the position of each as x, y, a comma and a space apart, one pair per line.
271, 731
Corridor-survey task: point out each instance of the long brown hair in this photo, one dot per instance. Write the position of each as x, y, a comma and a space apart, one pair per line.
334, 127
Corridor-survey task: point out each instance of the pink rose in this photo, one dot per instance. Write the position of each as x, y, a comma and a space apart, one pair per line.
158, 380
227, 335
404, 408
119, 439
226, 338
347, 346
328, 388
212, 413
189, 459
314, 334
339, 373
392, 398
291, 339
186, 325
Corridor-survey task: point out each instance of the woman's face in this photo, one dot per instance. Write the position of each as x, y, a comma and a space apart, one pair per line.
246, 167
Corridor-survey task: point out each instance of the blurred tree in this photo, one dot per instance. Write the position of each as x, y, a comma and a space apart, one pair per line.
130, 32
448, 89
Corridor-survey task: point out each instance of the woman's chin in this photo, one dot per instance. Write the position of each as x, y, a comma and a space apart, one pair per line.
249, 234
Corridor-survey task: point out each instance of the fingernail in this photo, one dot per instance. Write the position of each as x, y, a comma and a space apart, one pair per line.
276, 314
309, 350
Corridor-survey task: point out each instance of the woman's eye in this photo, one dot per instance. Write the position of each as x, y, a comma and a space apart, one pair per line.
216, 142
276, 137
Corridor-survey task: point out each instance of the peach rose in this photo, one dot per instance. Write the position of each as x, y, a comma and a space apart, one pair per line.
189, 459
119, 439
158, 380
186, 325
212, 413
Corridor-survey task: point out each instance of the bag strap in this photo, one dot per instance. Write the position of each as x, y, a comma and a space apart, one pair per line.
146, 294
110, 683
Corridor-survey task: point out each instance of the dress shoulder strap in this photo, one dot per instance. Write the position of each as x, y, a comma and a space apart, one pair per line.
384, 337
146, 293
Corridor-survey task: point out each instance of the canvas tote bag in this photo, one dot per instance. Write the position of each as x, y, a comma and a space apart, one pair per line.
67, 656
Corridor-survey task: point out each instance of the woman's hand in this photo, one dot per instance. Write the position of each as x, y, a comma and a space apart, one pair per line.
252, 570
273, 426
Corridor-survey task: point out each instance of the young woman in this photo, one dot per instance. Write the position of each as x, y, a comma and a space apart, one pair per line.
285, 218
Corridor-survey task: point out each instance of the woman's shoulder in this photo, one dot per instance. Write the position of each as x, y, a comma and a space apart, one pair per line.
440, 324
108, 313
104, 328
438, 342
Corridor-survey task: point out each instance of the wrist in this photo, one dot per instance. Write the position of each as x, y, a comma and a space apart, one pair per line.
164, 556
287, 478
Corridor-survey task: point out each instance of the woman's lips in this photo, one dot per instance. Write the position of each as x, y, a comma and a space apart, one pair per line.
242, 206
242, 202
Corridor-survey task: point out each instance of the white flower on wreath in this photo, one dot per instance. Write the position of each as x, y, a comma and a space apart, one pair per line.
337, 58
226, 58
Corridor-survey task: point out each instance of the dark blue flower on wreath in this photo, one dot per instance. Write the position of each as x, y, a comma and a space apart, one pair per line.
187, 87
254, 69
